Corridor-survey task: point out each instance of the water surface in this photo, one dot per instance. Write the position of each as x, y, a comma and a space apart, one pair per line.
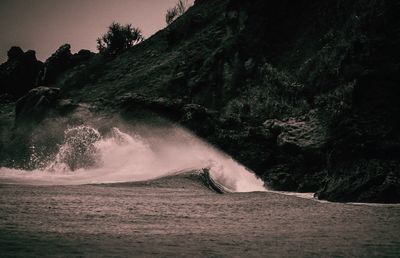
179, 216
128, 194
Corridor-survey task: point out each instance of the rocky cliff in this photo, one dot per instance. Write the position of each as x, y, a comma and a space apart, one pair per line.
304, 93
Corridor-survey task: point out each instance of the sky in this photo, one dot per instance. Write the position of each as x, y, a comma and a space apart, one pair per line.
44, 25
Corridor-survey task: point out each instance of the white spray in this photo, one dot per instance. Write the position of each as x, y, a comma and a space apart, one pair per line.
85, 157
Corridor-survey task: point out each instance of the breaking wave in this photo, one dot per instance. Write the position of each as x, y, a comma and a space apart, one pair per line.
88, 157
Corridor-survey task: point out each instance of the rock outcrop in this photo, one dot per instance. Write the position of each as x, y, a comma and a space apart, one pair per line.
14, 52
34, 105
61, 61
305, 134
19, 74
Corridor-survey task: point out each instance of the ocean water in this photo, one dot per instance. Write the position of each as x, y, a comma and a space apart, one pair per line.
123, 194
179, 217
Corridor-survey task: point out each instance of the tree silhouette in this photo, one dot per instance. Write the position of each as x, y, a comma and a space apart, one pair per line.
118, 38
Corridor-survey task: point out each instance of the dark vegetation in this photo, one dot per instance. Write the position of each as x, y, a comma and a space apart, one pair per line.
176, 11
118, 38
305, 93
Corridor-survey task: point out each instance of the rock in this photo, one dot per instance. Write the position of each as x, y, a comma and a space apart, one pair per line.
196, 117
36, 103
260, 134
194, 111
14, 52
66, 106
230, 121
84, 52
81, 56
199, 119
363, 181
280, 178
134, 99
299, 147
19, 74
298, 133
133, 102
291, 177
60, 61
5, 99
249, 65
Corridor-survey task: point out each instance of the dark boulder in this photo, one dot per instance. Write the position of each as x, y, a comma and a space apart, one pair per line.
363, 181
299, 146
56, 64
60, 62
34, 105
301, 134
196, 117
133, 102
82, 55
19, 74
14, 52
199, 119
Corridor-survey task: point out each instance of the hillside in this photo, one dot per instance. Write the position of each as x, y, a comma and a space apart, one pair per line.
303, 93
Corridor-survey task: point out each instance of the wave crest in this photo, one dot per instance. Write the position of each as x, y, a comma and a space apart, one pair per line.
87, 157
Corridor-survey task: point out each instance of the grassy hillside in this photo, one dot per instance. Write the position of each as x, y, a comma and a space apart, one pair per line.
304, 93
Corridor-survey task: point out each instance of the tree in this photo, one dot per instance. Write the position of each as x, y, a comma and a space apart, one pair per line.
118, 38
176, 11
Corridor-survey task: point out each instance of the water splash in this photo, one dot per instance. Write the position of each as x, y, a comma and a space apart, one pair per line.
79, 150
86, 157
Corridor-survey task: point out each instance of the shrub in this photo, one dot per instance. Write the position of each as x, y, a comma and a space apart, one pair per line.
176, 11
118, 38
275, 95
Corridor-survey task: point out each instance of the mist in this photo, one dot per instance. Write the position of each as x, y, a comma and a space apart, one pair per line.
135, 153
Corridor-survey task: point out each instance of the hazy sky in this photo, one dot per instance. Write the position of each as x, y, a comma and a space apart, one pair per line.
44, 25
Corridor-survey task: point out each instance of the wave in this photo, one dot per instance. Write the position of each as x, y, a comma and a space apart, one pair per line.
183, 179
87, 157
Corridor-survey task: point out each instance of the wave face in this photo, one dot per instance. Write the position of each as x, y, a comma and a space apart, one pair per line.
87, 157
